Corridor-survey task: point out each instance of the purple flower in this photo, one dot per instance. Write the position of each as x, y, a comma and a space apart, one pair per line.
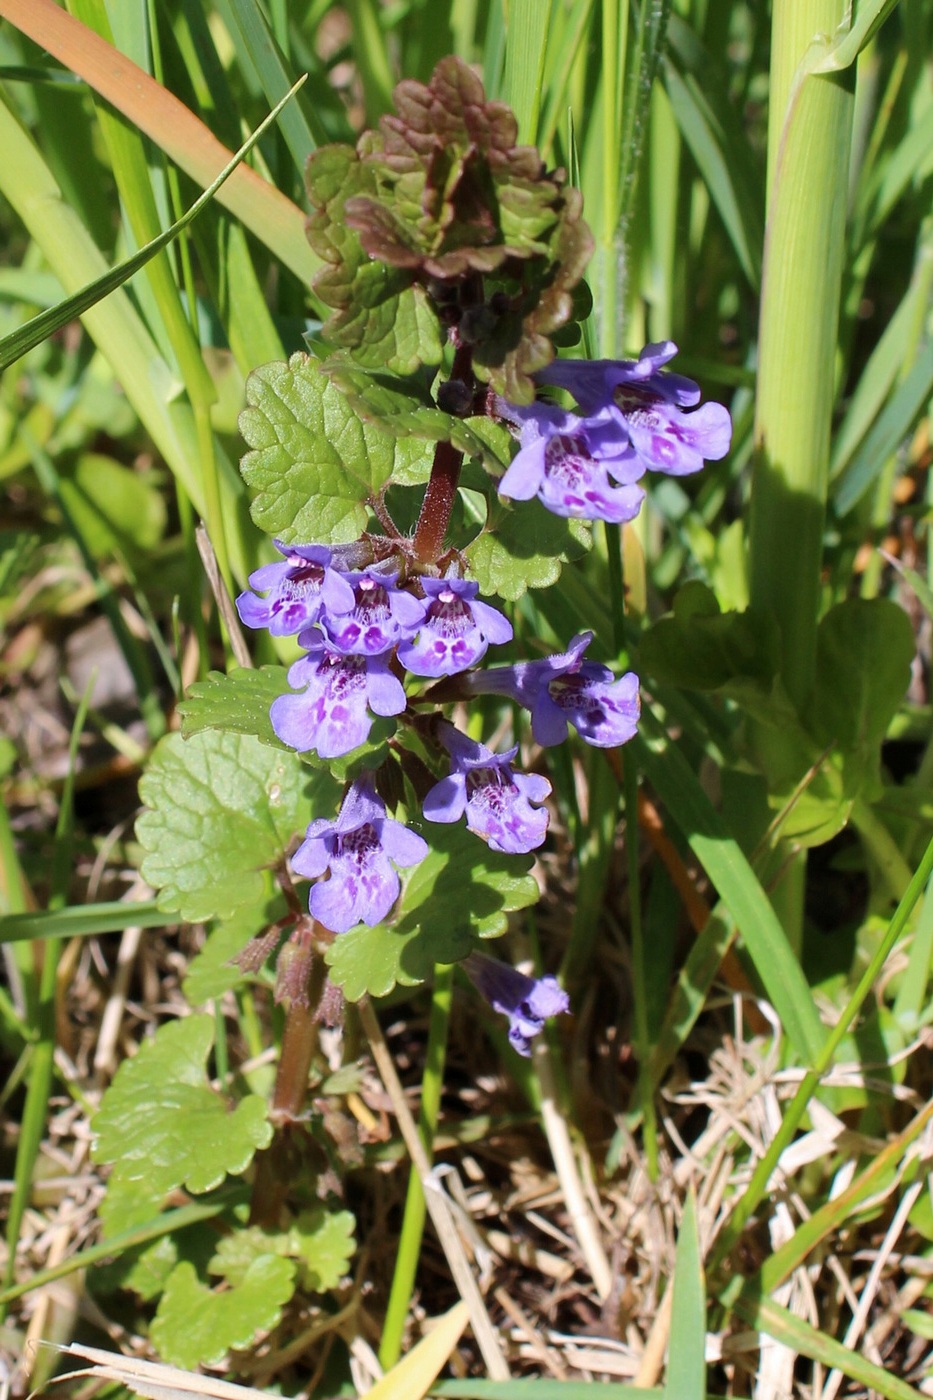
332, 716
645, 401
566, 689
382, 615
527, 1001
456, 630
497, 800
566, 461
360, 849
299, 590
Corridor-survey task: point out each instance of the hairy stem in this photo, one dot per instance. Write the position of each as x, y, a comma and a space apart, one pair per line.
445, 477
305, 982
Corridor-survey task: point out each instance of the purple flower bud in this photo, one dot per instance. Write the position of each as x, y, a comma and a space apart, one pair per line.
361, 850
645, 400
382, 615
456, 630
566, 461
299, 590
332, 717
527, 1001
496, 799
566, 689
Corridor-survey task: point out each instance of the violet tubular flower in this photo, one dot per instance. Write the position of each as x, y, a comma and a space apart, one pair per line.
456, 630
497, 800
382, 615
332, 716
564, 689
361, 849
566, 461
299, 590
527, 1001
647, 401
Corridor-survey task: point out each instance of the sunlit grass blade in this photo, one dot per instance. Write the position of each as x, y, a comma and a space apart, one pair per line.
413, 1221
784, 1326
40, 327
740, 890
524, 62
863, 27
412, 1377
793, 1114
82, 921
834, 1213
910, 998
150, 385
166, 1224
686, 1357
274, 219
561, 68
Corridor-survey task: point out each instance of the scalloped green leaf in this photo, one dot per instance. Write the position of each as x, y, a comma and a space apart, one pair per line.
196, 1326
237, 702
320, 1241
460, 892
390, 403
162, 1124
222, 810
523, 547
315, 465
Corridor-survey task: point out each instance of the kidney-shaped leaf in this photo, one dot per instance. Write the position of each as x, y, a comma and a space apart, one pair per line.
161, 1123
222, 808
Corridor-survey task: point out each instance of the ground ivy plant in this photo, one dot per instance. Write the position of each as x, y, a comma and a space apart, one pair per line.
430, 457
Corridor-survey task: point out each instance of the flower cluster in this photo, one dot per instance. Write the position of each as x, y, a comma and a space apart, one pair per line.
630, 421
364, 615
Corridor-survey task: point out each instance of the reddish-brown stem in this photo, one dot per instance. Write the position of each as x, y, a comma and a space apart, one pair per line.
438, 503
445, 477
299, 1044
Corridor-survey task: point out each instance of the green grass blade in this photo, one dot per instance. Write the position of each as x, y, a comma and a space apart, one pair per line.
834, 1213
793, 1115
740, 890
895, 421
686, 1358
784, 1326
710, 125
528, 22
869, 19
40, 327
889, 361
274, 219
35, 1110
82, 921
150, 385
372, 57
412, 1231
170, 1223
694, 981
297, 126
